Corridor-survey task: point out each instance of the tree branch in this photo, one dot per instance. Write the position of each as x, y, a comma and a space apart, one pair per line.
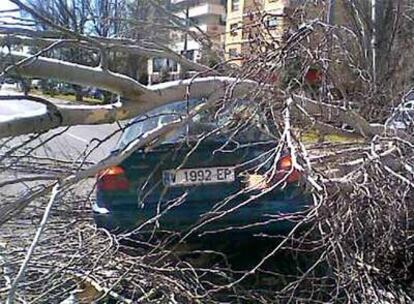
14, 285
114, 45
43, 67
346, 116
152, 97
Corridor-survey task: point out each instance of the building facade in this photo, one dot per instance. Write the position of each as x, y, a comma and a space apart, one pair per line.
248, 18
209, 16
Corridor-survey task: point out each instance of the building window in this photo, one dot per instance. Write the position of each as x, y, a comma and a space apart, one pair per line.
222, 20
233, 29
235, 5
172, 65
250, 14
159, 64
233, 53
271, 22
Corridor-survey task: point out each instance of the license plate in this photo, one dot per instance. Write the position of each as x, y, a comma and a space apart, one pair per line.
198, 176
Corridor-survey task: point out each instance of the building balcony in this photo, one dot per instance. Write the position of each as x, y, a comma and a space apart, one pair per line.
203, 10
180, 1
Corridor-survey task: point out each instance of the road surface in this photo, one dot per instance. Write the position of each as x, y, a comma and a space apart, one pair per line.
71, 144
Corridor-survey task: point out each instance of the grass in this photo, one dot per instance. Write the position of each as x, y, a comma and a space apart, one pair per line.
70, 98
312, 137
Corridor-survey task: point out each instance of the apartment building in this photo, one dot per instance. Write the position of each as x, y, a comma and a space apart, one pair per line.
208, 16
245, 18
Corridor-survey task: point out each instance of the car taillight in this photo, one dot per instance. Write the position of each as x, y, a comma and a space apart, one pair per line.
284, 166
112, 179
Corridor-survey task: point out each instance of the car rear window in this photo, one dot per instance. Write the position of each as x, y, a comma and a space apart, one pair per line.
207, 122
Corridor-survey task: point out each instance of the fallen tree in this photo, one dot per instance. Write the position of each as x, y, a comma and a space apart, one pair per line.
362, 195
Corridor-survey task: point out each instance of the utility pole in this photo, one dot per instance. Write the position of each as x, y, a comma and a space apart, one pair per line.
330, 16
183, 71
187, 22
374, 40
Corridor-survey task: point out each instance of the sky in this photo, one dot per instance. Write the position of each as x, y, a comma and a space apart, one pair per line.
6, 5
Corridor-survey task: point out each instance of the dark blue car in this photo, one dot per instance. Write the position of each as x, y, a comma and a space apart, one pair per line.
222, 171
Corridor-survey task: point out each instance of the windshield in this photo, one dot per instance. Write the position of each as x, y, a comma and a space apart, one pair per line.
236, 124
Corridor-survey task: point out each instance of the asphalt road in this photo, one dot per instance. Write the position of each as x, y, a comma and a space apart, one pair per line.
71, 144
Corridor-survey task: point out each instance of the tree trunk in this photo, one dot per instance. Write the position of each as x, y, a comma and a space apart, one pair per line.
78, 93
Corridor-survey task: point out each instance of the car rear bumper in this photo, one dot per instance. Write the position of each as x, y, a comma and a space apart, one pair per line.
268, 214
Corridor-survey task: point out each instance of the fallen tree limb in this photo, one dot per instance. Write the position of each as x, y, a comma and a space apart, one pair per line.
146, 99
